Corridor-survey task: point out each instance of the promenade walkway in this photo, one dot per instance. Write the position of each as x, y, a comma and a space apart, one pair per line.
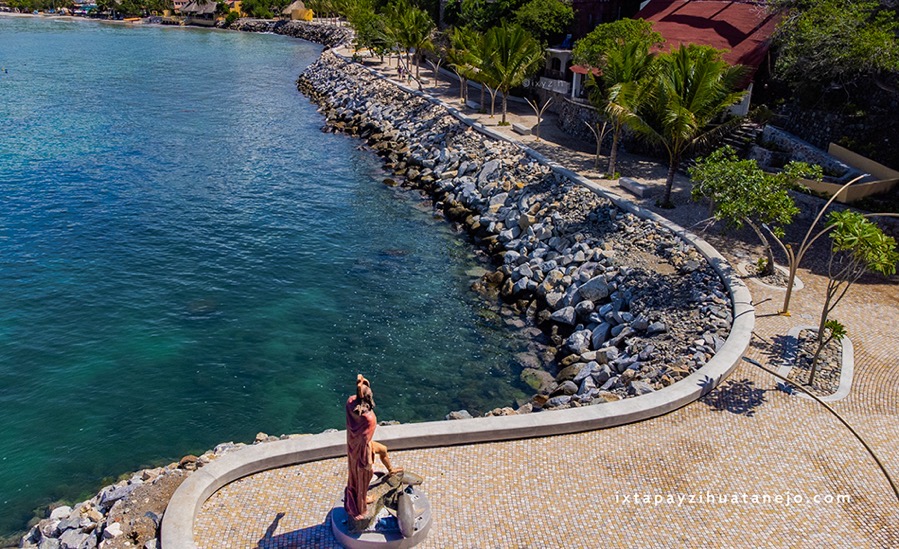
612, 487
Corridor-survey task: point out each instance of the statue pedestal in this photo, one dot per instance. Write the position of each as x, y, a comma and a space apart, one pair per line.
384, 532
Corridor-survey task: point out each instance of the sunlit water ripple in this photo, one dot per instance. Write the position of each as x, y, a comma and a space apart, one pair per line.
186, 259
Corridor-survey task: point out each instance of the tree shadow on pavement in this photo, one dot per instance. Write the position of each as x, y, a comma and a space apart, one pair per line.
737, 397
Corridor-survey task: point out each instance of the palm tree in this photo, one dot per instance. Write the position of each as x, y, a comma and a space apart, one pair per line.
691, 87
462, 56
411, 28
626, 67
513, 55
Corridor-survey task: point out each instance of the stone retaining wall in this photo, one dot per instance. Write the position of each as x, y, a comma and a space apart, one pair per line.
572, 118
871, 130
809, 206
803, 151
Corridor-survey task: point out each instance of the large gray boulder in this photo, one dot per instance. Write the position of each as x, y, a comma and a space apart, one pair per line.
601, 334
578, 342
565, 315
641, 387
594, 289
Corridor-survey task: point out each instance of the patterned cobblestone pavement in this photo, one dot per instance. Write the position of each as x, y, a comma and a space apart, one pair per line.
615, 487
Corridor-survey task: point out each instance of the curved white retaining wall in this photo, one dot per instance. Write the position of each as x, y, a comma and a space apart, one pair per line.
178, 521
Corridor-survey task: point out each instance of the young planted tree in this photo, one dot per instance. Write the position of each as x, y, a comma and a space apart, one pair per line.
513, 55
675, 108
439, 47
795, 256
599, 129
858, 246
742, 194
461, 56
489, 83
538, 111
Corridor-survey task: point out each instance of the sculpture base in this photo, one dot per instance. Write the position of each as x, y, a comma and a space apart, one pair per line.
384, 531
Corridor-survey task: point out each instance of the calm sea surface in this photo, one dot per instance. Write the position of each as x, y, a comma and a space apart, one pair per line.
185, 259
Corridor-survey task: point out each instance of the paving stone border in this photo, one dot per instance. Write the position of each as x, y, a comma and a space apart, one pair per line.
847, 366
178, 521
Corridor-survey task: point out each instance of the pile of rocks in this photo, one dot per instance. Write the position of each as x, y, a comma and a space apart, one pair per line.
623, 306
126, 514
329, 36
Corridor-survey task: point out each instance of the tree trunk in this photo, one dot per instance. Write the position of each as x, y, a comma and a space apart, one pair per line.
821, 342
503, 122
769, 253
792, 277
483, 109
613, 154
811, 375
669, 182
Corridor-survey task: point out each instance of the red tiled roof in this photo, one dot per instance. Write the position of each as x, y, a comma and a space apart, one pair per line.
742, 28
580, 69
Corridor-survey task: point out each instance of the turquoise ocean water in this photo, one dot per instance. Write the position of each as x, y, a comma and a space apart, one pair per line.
185, 259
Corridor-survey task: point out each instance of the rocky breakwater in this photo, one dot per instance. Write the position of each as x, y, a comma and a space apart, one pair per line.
618, 306
126, 514
329, 36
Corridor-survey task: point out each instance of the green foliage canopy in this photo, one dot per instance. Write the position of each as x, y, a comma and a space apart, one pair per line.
260, 9
740, 191
839, 42
368, 24
545, 18
865, 242
591, 50
482, 14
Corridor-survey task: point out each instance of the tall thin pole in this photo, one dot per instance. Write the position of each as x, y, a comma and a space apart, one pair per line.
838, 416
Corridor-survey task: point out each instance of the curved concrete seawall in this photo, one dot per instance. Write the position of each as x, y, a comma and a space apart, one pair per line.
178, 521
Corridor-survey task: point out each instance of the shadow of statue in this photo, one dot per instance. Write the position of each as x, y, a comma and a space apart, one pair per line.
317, 536
737, 397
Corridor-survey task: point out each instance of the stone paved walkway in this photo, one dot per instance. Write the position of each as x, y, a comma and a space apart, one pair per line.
579, 490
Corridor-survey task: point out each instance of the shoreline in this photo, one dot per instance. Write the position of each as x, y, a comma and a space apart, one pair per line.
323, 34
479, 214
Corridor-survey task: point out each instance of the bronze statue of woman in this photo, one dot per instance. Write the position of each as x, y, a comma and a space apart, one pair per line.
361, 449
